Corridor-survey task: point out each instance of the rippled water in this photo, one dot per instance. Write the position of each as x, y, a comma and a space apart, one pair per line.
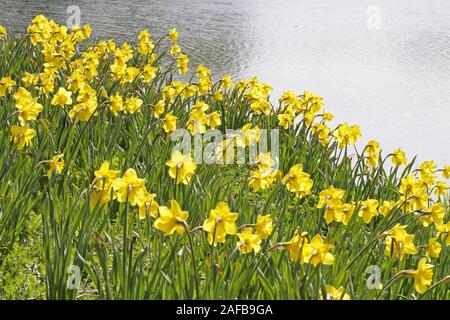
394, 82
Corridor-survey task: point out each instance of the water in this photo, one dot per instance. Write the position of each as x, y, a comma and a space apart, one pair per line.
393, 81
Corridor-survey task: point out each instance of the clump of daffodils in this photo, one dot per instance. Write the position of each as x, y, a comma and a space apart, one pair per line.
128, 88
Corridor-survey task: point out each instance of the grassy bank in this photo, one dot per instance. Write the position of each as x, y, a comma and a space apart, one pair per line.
94, 204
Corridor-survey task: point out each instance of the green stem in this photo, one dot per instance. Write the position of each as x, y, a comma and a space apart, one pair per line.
125, 249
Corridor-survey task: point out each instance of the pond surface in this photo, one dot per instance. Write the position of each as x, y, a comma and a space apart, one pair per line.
390, 75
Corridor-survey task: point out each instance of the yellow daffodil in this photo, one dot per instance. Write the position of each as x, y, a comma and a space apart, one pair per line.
102, 184
398, 158
213, 119
82, 111
188, 90
262, 107
202, 71
333, 211
3, 32
56, 165
76, 81
86, 31
22, 96
132, 104
47, 80
171, 219
347, 212
116, 104
444, 232
423, 276
197, 122
347, 135
440, 189
29, 79
372, 151
417, 202
327, 194
331, 201
446, 172
264, 161
39, 29
248, 241
87, 94
260, 179
170, 122
310, 102
148, 206
399, 242
220, 223
286, 119
327, 116
317, 251
27, 107
104, 175
289, 98
308, 118
322, 132
298, 181
368, 210
149, 73
22, 136
434, 249
129, 187
168, 93
173, 34
204, 85
118, 68
102, 93
410, 186
249, 135
29, 112
199, 107
145, 45
175, 50
427, 171
433, 214
297, 247
181, 167
226, 82
6, 85
158, 108
182, 63
336, 294
129, 74
264, 226
62, 98
386, 207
